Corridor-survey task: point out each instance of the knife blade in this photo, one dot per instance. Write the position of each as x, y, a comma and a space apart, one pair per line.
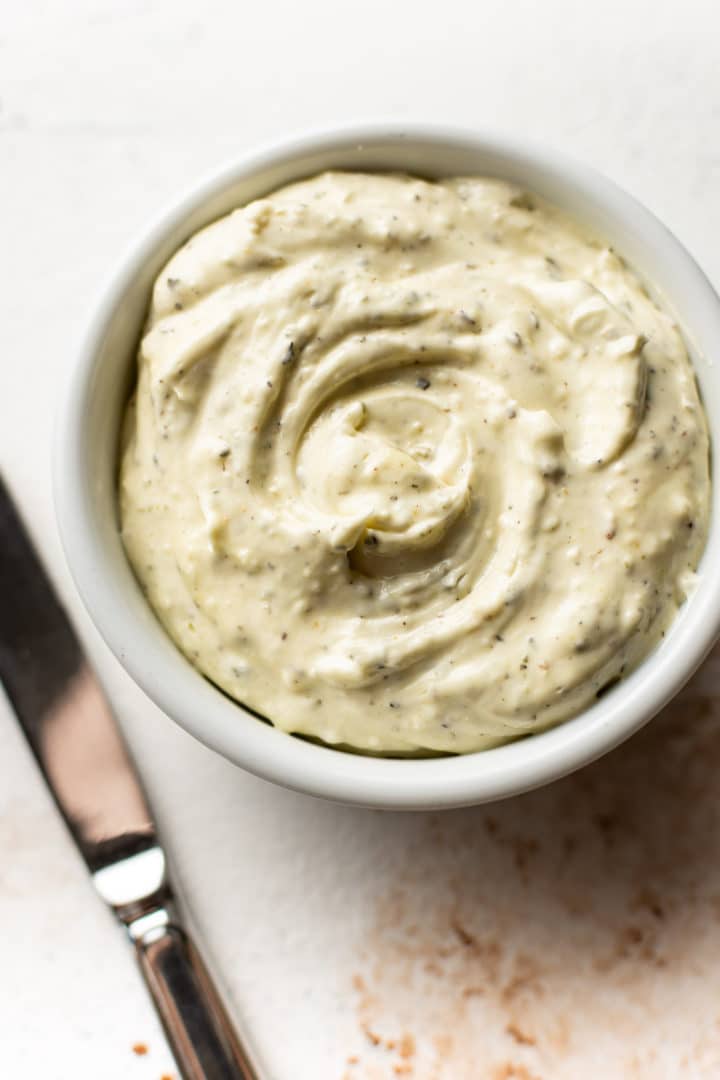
74, 737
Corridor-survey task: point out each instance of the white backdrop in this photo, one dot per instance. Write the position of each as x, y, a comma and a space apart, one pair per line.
573, 932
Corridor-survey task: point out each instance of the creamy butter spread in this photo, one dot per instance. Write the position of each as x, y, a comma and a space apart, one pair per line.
411, 465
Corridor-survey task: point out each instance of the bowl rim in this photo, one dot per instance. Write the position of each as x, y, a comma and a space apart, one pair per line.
223, 725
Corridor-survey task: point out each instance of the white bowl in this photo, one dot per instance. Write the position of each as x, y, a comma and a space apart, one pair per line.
86, 467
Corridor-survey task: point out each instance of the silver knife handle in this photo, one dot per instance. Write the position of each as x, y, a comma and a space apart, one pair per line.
197, 1027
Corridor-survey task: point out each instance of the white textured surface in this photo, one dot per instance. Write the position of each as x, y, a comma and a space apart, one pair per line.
605, 888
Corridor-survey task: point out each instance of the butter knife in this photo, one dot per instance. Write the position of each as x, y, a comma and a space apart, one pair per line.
74, 737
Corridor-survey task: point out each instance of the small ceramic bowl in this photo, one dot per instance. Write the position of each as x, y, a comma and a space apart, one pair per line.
87, 462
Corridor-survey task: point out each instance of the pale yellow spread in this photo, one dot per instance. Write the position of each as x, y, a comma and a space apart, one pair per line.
411, 465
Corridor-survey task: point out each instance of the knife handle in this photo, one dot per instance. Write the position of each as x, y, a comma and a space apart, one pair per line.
197, 1026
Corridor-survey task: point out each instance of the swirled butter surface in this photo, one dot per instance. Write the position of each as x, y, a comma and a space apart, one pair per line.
411, 465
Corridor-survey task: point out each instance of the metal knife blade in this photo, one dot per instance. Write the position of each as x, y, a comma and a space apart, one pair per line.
68, 723
70, 727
